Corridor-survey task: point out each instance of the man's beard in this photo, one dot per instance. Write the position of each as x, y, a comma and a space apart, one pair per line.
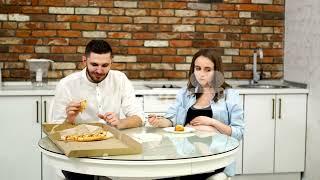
91, 79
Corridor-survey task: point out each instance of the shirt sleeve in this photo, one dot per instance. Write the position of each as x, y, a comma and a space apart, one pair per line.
129, 104
59, 104
175, 108
235, 114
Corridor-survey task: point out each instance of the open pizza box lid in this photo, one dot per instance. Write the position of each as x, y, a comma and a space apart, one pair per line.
119, 144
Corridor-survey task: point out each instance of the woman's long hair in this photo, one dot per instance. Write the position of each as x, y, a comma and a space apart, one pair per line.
218, 83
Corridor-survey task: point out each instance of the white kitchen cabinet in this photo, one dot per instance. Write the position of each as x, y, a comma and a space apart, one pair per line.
275, 133
21, 130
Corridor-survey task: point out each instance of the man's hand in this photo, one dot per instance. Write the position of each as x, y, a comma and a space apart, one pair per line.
72, 110
110, 118
201, 120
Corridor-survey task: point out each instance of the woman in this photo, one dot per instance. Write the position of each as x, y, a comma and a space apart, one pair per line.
207, 103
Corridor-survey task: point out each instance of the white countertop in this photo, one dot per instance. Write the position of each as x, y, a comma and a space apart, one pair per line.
26, 89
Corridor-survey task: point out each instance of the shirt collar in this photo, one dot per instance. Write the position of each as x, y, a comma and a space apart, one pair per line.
89, 83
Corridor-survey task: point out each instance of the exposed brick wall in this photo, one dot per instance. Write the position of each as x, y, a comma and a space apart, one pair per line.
151, 39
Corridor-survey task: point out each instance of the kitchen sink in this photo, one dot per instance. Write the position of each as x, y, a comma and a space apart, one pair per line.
262, 86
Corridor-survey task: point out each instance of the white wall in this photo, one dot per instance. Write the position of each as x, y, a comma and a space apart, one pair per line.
302, 64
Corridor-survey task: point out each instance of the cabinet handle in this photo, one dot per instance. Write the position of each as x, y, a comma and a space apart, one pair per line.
37, 103
273, 107
45, 111
280, 108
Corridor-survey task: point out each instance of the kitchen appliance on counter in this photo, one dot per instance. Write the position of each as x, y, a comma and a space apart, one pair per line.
39, 71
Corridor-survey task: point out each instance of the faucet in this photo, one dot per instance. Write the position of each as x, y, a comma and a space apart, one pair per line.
255, 75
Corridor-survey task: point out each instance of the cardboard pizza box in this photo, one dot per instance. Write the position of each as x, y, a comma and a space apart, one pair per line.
119, 144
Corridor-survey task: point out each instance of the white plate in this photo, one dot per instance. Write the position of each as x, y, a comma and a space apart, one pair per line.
186, 130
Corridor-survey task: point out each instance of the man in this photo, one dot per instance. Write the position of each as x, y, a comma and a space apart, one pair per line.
106, 92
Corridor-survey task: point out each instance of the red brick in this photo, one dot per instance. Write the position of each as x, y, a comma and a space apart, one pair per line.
169, 20
147, 58
231, 29
83, 26
192, 35
57, 26
52, 2
112, 11
192, 20
139, 50
132, 74
174, 5
23, 33
273, 8
34, 10
251, 37
120, 50
8, 57
45, 33
69, 33
31, 25
113, 42
133, 27
76, 3
210, 13
175, 74
273, 23
101, 3
164, 51
18, 2
131, 43
149, 4
217, 21
138, 66
10, 9
79, 41
109, 27
21, 49
273, 52
204, 43
168, 35
173, 59
253, 22
69, 18
6, 33
161, 28
56, 41
273, 37
219, 36
150, 74
240, 44
180, 43
32, 41
231, 14
101, 19
162, 12
144, 36
278, 30
118, 66
42, 17
242, 74
120, 19
223, 7
19, 73
246, 52
63, 49
248, 7
9, 25
207, 28
119, 35
240, 59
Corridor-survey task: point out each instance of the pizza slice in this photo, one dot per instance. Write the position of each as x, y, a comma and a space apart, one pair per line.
83, 105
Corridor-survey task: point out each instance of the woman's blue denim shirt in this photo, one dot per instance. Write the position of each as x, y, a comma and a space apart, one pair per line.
227, 110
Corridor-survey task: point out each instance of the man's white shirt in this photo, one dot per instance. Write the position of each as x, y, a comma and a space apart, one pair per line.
113, 94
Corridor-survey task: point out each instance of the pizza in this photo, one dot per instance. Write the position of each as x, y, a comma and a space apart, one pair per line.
97, 136
179, 128
83, 105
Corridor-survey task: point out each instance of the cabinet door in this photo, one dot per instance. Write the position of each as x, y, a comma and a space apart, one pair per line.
290, 133
258, 142
20, 125
239, 155
46, 108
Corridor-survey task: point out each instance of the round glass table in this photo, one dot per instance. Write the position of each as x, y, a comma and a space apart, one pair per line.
164, 154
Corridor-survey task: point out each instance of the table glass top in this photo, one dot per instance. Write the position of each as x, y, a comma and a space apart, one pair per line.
161, 145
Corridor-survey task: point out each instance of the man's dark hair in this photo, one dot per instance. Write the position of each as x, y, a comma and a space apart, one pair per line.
98, 47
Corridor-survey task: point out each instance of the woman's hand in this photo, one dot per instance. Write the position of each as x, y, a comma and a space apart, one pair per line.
201, 120
159, 122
